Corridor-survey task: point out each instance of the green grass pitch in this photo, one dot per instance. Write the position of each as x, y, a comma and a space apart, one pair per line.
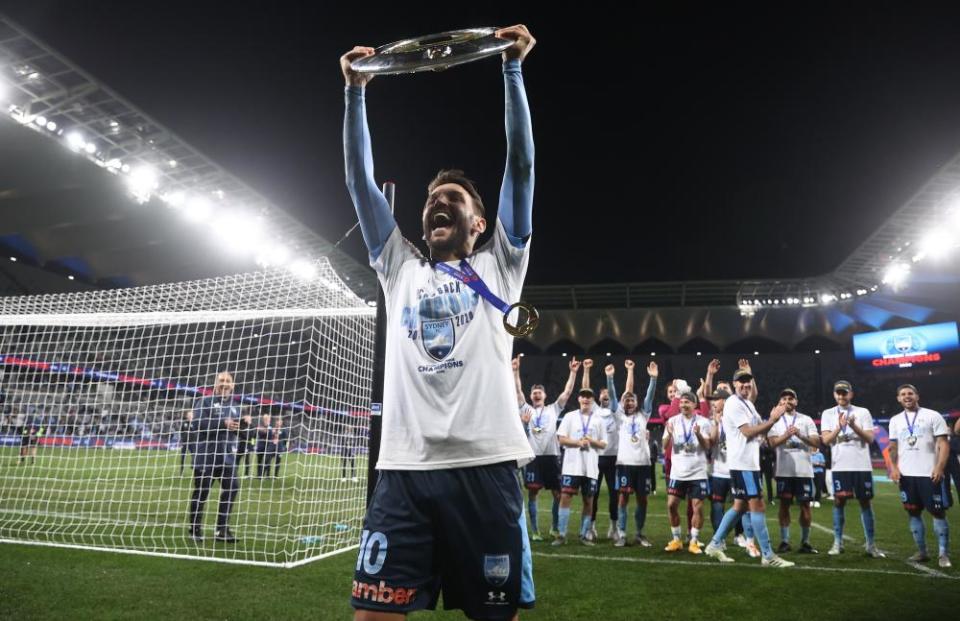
572, 582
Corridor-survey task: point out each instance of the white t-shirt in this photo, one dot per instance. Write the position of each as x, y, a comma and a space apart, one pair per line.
689, 460
849, 452
544, 419
631, 453
743, 453
793, 456
917, 460
612, 428
585, 462
449, 399
718, 455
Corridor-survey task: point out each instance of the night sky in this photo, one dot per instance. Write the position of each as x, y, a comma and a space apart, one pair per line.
673, 142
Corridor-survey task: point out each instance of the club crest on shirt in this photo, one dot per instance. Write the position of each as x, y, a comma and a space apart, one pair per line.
496, 568
438, 337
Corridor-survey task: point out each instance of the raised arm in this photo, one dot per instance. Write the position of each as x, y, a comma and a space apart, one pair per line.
629, 366
609, 370
515, 364
653, 371
516, 193
585, 380
743, 363
571, 380
373, 210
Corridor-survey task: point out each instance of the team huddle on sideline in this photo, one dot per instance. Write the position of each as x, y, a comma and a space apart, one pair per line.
711, 442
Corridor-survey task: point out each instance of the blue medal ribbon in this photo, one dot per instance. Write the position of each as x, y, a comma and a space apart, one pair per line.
586, 427
906, 417
687, 435
469, 277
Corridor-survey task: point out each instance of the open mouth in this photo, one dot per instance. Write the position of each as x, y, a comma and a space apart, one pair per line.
440, 219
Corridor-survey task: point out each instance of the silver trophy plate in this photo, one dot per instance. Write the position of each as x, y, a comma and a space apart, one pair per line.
432, 52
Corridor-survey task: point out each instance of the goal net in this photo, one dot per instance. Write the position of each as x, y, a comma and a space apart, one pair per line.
98, 388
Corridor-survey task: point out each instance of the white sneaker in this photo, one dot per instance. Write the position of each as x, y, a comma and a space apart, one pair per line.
740, 540
835, 549
752, 549
612, 531
716, 552
619, 539
874, 552
592, 535
815, 504
777, 562
945, 562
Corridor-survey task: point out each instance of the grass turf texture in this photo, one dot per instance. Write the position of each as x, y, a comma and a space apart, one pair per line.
573, 581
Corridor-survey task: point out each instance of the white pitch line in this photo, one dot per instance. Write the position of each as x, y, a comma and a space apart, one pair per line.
928, 570
818, 568
829, 531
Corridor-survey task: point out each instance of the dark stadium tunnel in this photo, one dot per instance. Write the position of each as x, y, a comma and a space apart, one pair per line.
753, 344
698, 345
564, 346
607, 346
652, 345
817, 343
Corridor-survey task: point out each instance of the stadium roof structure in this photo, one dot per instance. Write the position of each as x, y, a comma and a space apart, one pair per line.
97, 150
92, 142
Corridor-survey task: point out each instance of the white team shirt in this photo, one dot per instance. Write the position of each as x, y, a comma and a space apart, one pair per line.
917, 460
849, 452
793, 456
688, 463
742, 453
449, 399
718, 455
577, 462
630, 453
612, 426
544, 418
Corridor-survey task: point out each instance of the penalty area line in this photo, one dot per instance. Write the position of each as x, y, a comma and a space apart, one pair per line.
818, 568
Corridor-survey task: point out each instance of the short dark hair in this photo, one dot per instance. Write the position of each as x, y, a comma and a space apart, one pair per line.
454, 175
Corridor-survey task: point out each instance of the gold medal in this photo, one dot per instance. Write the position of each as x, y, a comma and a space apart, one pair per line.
634, 439
528, 318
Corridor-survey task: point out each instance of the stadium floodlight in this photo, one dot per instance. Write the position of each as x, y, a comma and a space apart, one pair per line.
699, 353
896, 274
14, 259
142, 183
172, 163
160, 347
90, 147
816, 351
175, 199
827, 298
564, 354
239, 231
40, 120
51, 126
75, 141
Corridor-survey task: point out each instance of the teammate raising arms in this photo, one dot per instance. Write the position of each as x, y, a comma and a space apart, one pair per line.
583, 434
541, 421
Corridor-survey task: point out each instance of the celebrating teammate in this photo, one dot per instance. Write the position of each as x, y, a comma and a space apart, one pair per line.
607, 461
848, 430
634, 466
792, 437
583, 434
541, 421
919, 451
690, 438
744, 429
451, 437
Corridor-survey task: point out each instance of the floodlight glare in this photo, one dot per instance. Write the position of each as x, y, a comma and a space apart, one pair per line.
239, 231
142, 182
51, 126
40, 120
937, 244
175, 199
303, 269
75, 141
273, 255
198, 209
90, 148
895, 274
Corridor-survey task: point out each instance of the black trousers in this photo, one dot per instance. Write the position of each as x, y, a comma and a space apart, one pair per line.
264, 460
243, 454
608, 473
203, 479
819, 485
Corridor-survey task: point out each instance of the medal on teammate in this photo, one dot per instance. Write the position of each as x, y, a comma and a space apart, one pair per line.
688, 446
528, 318
634, 438
912, 438
585, 429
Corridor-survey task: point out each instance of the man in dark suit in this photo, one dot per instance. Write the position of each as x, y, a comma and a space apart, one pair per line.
186, 437
264, 441
216, 423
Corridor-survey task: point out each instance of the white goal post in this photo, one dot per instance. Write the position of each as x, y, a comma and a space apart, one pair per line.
97, 446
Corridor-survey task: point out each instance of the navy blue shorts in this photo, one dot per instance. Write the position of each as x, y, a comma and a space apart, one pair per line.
694, 490
719, 488
918, 493
745, 484
799, 489
461, 532
634, 479
850, 484
570, 484
543, 473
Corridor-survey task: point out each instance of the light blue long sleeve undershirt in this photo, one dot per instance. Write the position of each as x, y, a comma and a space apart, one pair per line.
516, 193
